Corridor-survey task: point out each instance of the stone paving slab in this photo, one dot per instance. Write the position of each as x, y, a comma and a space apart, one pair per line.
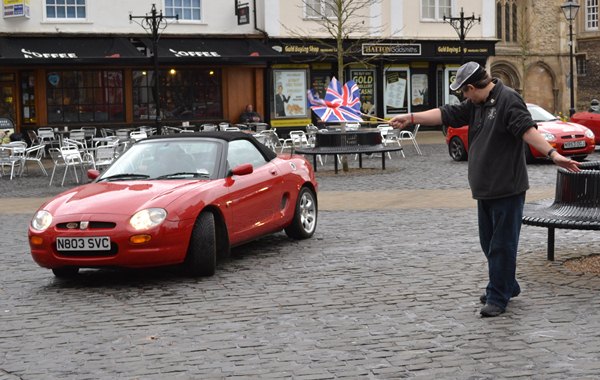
388, 288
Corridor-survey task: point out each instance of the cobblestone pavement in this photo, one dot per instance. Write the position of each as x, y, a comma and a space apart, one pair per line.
378, 293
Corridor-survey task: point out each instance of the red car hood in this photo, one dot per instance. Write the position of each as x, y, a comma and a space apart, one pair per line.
560, 127
120, 197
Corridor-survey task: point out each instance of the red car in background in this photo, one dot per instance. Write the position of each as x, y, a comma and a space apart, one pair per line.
176, 199
590, 120
569, 139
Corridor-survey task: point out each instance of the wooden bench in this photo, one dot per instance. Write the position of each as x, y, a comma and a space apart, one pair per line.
350, 142
576, 203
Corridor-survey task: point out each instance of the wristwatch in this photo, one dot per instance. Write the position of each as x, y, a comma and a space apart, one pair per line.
549, 155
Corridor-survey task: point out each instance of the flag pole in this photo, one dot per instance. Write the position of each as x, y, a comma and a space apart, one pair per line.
375, 117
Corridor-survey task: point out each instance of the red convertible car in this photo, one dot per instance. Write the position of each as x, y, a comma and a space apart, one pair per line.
569, 139
176, 199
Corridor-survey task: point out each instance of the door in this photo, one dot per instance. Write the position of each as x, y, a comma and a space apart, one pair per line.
8, 97
253, 198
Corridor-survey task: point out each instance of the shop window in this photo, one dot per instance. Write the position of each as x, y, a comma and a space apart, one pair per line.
65, 9
317, 9
395, 92
185, 95
85, 96
507, 20
28, 112
185, 9
591, 15
435, 10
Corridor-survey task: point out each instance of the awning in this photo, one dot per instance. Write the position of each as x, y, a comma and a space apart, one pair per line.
214, 50
62, 50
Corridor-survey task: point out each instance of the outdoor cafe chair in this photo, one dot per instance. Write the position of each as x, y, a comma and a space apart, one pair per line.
47, 137
35, 153
411, 136
105, 155
65, 157
13, 155
138, 135
77, 135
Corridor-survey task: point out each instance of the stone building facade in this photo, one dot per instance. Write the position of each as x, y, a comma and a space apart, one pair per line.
532, 54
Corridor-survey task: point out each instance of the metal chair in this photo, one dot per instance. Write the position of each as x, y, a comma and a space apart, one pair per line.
105, 155
411, 136
65, 157
35, 154
13, 155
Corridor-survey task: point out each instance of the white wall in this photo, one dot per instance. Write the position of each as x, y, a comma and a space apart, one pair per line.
112, 17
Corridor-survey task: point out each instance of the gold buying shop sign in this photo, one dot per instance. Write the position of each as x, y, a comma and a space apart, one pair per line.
15, 8
455, 50
391, 49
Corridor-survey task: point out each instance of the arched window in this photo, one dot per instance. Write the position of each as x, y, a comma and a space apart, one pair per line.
507, 25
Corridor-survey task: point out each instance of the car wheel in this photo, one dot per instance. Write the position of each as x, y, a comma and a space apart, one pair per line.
579, 158
304, 223
456, 149
201, 259
65, 272
529, 157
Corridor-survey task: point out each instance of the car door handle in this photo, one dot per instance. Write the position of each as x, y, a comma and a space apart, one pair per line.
273, 171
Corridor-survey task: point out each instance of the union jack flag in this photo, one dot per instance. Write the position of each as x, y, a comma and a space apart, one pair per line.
342, 104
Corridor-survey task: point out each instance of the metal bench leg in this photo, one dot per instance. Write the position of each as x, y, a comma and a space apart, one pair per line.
551, 243
315, 162
360, 160
383, 161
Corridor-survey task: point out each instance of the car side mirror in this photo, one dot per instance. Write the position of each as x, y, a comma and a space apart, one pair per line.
242, 169
93, 174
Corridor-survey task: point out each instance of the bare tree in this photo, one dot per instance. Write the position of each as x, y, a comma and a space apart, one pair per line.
346, 23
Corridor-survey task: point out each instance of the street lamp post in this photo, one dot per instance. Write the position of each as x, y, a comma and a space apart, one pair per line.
154, 23
462, 25
570, 9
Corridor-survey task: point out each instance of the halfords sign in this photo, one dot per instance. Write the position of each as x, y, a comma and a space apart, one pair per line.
391, 49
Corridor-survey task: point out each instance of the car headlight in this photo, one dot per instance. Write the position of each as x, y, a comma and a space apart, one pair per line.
148, 218
589, 134
41, 220
548, 136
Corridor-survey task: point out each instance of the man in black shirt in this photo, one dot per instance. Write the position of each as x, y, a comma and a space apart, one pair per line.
498, 122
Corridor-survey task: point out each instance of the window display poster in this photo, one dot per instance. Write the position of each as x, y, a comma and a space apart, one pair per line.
452, 97
319, 82
365, 80
395, 92
419, 89
290, 93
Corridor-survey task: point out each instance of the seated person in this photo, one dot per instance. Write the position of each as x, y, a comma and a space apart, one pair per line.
249, 115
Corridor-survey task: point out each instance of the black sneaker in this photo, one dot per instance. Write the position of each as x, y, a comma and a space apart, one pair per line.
483, 297
491, 310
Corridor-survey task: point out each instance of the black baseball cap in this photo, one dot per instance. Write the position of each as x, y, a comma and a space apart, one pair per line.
469, 73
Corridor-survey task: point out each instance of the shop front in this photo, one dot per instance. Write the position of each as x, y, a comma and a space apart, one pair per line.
111, 81
394, 76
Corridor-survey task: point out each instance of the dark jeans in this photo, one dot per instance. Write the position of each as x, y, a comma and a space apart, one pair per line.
499, 229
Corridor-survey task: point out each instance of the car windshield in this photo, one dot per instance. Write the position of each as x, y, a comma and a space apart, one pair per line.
166, 159
538, 114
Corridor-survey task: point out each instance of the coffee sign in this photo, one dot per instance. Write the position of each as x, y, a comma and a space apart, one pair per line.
183, 53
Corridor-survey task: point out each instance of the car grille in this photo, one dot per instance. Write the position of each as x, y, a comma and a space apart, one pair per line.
92, 225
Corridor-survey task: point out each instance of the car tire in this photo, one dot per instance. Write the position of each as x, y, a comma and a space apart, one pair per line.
65, 272
529, 157
579, 158
201, 259
456, 149
304, 224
